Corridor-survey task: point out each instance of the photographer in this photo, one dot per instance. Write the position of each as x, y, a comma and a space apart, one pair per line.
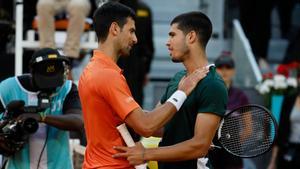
44, 96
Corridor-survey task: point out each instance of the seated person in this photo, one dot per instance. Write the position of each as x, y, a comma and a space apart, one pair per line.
77, 11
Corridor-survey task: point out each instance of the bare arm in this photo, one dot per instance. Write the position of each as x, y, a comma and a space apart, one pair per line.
272, 164
198, 146
146, 124
248, 126
159, 132
71, 120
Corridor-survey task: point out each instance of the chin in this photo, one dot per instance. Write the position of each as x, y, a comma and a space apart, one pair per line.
176, 60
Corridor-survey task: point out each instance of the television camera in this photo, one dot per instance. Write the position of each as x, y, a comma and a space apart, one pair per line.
14, 132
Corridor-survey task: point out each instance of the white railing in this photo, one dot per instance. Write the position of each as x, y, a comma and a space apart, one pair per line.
247, 70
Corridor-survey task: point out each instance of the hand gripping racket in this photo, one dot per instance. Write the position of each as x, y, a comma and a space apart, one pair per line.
247, 131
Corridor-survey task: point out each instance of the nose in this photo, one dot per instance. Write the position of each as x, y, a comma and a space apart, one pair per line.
168, 43
135, 40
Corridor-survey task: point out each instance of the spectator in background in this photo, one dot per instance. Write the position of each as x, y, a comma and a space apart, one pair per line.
137, 66
285, 11
6, 36
6, 24
293, 50
221, 159
77, 11
286, 152
255, 17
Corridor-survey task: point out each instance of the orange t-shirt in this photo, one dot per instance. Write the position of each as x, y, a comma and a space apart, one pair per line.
106, 101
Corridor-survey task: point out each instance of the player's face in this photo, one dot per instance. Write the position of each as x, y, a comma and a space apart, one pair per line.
226, 73
176, 44
127, 37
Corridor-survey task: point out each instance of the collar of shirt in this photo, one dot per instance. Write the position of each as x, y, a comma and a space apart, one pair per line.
100, 56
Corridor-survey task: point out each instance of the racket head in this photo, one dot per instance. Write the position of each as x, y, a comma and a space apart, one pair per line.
248, 131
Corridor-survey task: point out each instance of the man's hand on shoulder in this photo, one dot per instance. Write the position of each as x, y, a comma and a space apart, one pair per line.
188, 83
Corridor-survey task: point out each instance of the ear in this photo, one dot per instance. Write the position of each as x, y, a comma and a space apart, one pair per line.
114, 28
192, 37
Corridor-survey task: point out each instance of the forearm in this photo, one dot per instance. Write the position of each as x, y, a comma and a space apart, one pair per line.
187, 150
274, 154
157, 118
65, 122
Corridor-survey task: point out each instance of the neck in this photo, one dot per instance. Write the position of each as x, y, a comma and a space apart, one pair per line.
195, 59
109, 50
228, 83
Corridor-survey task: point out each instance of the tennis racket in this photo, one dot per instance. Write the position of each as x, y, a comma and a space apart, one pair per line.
247, 131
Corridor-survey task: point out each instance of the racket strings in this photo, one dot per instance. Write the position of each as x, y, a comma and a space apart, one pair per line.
248, 132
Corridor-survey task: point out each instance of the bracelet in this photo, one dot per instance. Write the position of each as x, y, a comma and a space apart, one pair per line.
43, 116
177, 99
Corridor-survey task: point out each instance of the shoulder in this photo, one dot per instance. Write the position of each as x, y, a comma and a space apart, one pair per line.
212, 90
103, 76
212, 96
109, 73
9, 83
110, 77
179, 75
213, 83
110, 80
8, 80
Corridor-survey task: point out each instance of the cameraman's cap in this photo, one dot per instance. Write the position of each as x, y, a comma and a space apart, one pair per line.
46, 54
224, 61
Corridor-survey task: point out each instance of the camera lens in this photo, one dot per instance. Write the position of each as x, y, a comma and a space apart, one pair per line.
30, 125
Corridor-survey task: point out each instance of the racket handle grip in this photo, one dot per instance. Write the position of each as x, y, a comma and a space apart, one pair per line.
129, 141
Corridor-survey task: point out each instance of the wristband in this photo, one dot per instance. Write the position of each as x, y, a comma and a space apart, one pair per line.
177, 99
43, 116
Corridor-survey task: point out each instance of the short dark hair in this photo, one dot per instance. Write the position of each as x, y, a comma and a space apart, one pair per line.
195, 21
108, 13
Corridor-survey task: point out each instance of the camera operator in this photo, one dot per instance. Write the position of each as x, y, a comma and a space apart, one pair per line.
46, 89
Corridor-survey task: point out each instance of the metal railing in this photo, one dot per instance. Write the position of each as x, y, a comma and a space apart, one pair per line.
247, 70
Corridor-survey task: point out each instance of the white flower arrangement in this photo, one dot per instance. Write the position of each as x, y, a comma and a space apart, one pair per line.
279, 84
